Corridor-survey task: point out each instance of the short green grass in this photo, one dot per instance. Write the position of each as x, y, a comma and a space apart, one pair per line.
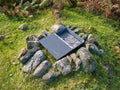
11, 75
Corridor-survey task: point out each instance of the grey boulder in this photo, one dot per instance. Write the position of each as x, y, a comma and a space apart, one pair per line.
32, 38
88, 63
31, 44
50, 76
63, 65
41, 69
32, 41
37, 58
94, 49
28, 55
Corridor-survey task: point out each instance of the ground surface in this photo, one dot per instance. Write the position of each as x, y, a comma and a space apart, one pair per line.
11, 75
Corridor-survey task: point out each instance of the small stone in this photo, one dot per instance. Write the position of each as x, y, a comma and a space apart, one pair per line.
30, 16
94, 49
57, 27
37, 58
83, 36
23, 26
28, 55
11, 75
91, 39
88, 63
50, 76
69, 27
108, 68
41, 69
14, 63
22, 52
41, 36
78, 30
2, 37
45, 32
63, 65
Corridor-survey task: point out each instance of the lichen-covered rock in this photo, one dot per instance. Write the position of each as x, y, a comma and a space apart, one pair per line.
89, 64
28, 55
76, 60
23, 26
57, 27
50, 76
31, 44
32, 38
94, 49
41, 69
91, 39
37, 58
32, 41
22, 52
63, 65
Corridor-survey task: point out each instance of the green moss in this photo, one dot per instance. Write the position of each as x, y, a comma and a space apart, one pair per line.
12, 44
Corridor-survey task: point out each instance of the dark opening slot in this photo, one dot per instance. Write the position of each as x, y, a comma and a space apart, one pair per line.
70, 39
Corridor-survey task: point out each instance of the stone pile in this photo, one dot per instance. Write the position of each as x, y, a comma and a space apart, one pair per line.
34, 60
